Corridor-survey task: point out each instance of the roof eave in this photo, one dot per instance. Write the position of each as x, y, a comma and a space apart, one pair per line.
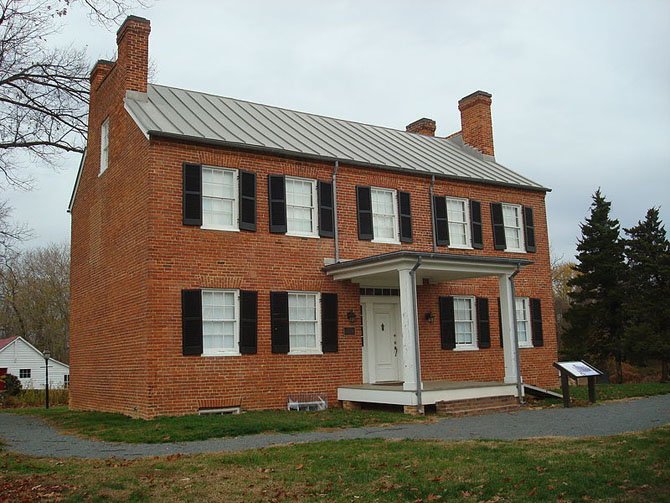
302, 155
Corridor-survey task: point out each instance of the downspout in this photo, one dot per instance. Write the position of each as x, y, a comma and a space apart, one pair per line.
432, 212
417, 353
519, 383
335, 235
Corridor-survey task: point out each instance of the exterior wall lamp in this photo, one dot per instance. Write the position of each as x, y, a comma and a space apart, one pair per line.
430, 317
351, 316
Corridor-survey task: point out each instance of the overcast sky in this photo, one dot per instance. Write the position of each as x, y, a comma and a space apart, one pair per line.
581, 90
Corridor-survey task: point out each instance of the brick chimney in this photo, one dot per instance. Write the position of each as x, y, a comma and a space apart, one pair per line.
476, 125
132, 40
100, 71
422, 126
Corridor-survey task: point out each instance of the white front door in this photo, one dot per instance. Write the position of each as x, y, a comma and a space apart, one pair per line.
386, 342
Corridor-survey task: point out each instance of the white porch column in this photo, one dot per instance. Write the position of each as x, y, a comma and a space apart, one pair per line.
409, 349
507, 317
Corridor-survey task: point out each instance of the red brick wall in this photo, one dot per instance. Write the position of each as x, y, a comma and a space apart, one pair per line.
189, 257
109, 322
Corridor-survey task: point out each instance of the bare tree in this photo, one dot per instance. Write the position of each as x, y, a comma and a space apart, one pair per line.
35, 297
43, 90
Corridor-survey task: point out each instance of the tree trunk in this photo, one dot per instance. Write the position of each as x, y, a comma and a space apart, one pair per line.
664, 371
619, 370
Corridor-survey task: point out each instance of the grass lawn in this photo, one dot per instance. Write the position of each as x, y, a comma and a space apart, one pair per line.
630, 467
604, 392
619, 391
120, 428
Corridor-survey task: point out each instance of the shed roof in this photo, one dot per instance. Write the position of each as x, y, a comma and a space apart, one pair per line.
200, 117
7, 341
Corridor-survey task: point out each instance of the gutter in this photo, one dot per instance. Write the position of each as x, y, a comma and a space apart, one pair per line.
517, 353
336, 233
417, 353
432, 212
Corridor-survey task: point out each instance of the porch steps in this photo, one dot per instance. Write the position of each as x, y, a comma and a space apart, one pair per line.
477, 406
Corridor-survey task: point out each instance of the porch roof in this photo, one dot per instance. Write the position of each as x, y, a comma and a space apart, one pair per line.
381, 270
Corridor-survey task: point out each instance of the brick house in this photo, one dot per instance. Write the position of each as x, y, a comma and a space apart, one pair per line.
230, 254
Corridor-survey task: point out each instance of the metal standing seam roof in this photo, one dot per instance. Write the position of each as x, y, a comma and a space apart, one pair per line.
200, 117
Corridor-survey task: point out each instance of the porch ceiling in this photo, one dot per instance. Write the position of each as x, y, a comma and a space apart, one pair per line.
382, 270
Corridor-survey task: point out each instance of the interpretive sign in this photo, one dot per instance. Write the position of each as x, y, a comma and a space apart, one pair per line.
576, 370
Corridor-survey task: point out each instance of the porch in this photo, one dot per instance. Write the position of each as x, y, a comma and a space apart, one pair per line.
433, 392
391, 355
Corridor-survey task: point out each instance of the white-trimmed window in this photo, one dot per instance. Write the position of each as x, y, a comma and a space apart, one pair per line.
25, 373
464, 321
104, 145
66, 381
219, 199
459, 223
384, 215
301, 202
523, 322
304, 323
513, 222
220, 322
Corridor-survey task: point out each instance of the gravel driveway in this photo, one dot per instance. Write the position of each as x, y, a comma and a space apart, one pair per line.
30, 435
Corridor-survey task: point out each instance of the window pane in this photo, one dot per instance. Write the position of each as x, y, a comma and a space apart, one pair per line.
383, 214
302, 321
218, 198
464, 323
300, 206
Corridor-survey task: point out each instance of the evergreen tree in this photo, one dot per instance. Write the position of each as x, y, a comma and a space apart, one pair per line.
648, 291
595, 317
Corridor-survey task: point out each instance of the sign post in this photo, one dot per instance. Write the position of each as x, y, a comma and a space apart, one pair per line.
576, 370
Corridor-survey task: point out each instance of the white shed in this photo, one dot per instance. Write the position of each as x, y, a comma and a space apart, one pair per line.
25, 361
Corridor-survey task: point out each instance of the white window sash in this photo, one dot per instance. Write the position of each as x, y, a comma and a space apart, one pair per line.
465, 223
312, 210
235, 350
524, 303
473, 324
235, 225
316, 350
375, 216
514, 230
104, 146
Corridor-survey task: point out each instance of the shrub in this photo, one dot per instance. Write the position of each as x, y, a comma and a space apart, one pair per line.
12, 385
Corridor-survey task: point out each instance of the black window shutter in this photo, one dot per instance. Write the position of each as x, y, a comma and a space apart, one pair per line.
279, 321
247, 201
329, 322
500, 322
447, 323
277, 196
326, 214
483, 323
191, 322
440, 221
192, 194
529, 225
248, 322
405, 212
536, 322
476, 225
364, 204
498, 226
